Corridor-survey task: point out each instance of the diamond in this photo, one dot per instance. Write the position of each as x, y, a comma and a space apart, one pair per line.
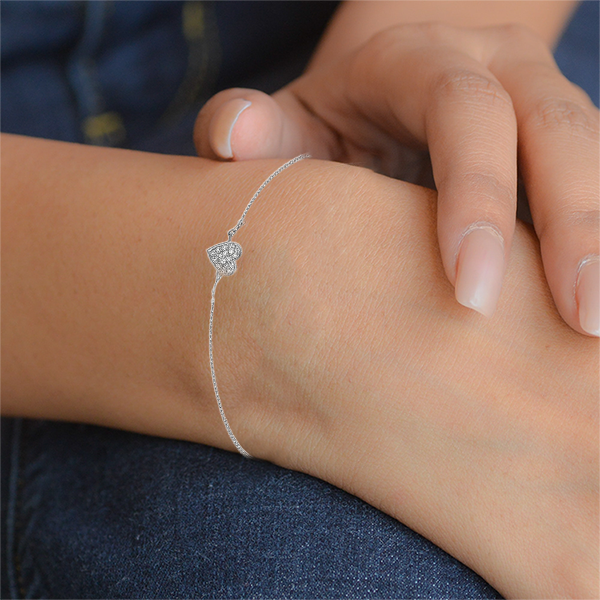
223, 256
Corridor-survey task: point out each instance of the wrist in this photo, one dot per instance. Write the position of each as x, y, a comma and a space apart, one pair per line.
107, 285
366, 373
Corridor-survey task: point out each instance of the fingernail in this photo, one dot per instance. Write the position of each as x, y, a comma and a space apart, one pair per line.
223, 126
588, 294
480, 269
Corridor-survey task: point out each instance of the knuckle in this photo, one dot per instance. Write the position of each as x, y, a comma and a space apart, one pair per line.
495, 196
586, 219
435, 31
461, 84
564, 116
517, 32
381, 48
384, 37
491, 189
520, 35
428, 32
387, 40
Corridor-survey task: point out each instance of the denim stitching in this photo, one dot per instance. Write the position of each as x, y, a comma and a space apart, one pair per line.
82, 75
204, 63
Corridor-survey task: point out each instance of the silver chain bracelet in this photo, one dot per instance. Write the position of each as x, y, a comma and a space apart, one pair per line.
223, 257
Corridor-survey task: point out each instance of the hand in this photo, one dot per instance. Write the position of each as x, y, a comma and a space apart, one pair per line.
339, 349
341, 353
473, 97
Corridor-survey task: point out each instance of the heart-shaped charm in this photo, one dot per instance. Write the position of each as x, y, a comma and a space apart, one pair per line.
223, 256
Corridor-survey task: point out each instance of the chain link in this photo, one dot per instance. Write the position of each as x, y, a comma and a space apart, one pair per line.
219, 275
232, 232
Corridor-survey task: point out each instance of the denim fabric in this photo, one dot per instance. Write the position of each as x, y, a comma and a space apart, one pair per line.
100, 513
134, 74
577, 52
89, 512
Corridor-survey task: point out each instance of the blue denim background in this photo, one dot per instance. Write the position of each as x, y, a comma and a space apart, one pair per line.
64, 63
100, 513
89, 512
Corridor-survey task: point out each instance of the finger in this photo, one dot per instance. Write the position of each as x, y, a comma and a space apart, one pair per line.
559, 159
472, 135
441, 96
243, 124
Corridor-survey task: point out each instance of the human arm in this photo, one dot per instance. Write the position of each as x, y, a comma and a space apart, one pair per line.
489, 105
338, 347
104, 270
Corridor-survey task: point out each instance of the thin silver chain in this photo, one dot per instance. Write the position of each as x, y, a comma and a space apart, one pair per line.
219, 275
231, 232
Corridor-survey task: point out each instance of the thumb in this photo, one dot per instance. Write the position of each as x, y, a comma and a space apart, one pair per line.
244, 124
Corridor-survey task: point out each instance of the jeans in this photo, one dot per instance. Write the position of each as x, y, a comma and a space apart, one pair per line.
91, 512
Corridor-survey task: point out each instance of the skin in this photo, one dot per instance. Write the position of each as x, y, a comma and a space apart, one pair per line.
488, 104
355, 22
339, 348
124, 350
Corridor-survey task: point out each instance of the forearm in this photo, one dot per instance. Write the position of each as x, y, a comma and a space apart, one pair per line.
106, 285
356, 21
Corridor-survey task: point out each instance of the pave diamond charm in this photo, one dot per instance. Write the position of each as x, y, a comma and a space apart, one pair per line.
223, 257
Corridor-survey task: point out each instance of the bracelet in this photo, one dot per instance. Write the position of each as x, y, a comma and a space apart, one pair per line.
223, 257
